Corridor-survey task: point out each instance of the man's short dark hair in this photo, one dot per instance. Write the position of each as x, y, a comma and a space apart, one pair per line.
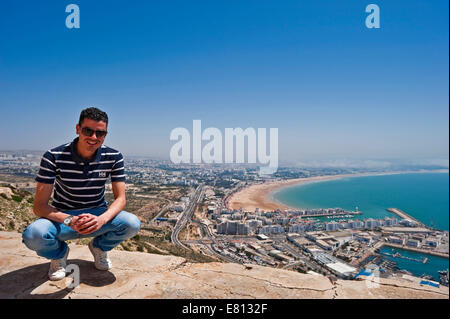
93, 113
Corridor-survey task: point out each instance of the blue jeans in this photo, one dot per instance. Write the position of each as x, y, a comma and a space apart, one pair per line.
47, 238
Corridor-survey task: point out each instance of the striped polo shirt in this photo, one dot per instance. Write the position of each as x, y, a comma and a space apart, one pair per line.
80, 183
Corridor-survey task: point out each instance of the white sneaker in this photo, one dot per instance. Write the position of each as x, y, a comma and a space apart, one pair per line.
57, 269
101, 259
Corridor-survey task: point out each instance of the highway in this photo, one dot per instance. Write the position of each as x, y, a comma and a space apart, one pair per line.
186, 215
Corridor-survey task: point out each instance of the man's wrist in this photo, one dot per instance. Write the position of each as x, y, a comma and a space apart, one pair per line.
68, 220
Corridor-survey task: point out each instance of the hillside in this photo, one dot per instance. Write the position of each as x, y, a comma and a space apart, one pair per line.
16, 208
23, 274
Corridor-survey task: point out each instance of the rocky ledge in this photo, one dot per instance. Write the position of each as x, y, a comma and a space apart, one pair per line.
23, 274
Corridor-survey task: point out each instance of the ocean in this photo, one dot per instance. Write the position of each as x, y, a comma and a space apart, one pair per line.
424, 196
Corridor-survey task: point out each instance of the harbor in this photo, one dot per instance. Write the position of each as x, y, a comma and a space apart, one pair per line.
410, 262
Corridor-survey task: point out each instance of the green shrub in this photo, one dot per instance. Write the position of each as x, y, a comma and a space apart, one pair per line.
17, 198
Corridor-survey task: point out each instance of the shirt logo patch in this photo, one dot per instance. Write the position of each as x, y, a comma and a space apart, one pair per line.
102, 174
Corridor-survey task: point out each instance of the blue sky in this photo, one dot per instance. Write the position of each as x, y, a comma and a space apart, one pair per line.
332, 87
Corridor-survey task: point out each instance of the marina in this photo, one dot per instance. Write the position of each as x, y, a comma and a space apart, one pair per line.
412, 262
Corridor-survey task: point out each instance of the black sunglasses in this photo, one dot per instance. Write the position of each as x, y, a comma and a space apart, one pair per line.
89, 132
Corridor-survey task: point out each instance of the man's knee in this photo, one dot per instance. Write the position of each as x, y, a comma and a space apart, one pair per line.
37, 233
130, 223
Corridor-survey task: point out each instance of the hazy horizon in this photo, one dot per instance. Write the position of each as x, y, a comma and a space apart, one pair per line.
360, 163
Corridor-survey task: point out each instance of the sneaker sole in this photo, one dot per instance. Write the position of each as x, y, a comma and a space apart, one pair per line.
54, 278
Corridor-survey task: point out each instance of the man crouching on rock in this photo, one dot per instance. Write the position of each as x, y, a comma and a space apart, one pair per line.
76, 172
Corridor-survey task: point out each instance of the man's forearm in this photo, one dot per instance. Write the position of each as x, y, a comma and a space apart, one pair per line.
116, 207
49, 212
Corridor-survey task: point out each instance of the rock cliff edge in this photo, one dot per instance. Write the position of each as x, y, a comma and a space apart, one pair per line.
23, 274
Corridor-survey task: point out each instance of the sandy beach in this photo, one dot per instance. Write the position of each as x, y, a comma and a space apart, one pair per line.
259, 195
